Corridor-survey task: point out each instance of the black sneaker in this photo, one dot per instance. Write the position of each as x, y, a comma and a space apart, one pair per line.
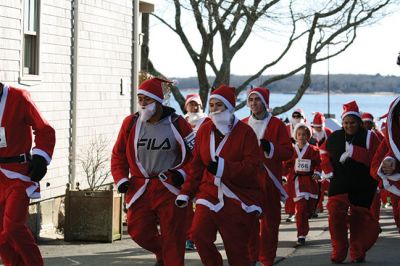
301, 241
159, 263
189, 245
290, 218
359, 260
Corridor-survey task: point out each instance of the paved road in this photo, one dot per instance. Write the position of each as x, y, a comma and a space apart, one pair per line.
316, 252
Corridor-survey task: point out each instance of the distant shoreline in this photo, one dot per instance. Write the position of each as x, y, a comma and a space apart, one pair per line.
383, 93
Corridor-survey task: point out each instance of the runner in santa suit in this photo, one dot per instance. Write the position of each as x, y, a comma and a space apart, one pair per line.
152, 147
224, 173
276, 147
346, 158
369, 124
298, 116
196, 117
386, 164
194, 108
20, 172
304, 170
319, 136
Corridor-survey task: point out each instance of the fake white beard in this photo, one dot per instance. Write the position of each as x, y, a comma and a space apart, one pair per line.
193, 118
222, 121
146, 112
258, 126
319, 135
295, 121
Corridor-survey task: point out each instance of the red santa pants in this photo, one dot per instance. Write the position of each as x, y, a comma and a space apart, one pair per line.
189, 219
376, 206
364, 229
304, 209
396, 209
289, 204
158, 204
264, 245
17, 245
234, 226
324, 188
384, 196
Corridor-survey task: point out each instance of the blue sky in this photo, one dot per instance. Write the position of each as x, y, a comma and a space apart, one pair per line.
374, 51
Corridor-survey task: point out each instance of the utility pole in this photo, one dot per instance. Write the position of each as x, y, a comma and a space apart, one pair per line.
328, 81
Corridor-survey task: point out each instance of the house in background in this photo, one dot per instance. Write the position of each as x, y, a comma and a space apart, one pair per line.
79, 59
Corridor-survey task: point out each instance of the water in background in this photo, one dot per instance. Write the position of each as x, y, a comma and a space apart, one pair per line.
376, 104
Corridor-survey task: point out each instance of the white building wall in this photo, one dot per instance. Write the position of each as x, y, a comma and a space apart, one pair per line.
104, 64
10, 40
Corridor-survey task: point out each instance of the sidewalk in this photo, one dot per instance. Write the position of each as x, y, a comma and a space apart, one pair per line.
316, 252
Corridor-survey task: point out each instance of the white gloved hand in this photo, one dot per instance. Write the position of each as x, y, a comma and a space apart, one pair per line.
344, 157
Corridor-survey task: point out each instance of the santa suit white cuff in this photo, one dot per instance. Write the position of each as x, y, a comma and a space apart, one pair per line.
184, 198
123, 180
271, 151
220, 167
36, 151
183, 173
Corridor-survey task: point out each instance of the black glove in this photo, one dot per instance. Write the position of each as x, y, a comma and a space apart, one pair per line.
177, 177
313, 141
38, 168
123, 188
212, 166
265, 145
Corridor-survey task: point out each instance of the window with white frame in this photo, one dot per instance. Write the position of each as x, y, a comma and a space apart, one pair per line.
31, 38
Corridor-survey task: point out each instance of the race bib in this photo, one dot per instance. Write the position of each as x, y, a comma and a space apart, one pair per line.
302, 165
3, 141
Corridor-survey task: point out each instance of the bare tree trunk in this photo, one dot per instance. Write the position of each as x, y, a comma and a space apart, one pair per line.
145, 46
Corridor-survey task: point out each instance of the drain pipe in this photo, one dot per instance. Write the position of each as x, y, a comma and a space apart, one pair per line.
135, 55
74, 90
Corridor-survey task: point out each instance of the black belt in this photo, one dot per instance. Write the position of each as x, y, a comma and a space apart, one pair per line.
22, 158
304, 174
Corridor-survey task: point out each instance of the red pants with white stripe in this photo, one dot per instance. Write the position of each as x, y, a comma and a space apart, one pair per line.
396, 209
364, 229
376, 206
264, 237
234, 225
304, 209
158, 204
17, 245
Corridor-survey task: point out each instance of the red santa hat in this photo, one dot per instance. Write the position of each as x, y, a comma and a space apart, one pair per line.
153, 88
262, 93
351, 108
300, 111
225, 94
302, 125
318, 120
193, 97
367, 117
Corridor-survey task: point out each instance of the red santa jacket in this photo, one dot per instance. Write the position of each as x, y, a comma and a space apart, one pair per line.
19, 116
389, 148
125, 165
238, 165
326, 132
275, 132
301, 167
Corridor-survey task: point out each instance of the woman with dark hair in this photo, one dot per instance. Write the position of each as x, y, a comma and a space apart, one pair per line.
346, 159
386, 164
